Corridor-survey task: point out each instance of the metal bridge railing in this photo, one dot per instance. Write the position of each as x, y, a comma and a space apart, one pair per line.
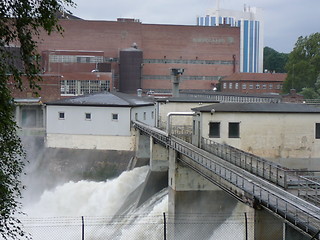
259, 166
300, 213
308, 185
157, 134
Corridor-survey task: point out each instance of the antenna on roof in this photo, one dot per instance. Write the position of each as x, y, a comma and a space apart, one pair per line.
217, 4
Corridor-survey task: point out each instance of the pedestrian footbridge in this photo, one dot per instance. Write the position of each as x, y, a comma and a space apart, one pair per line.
259, 183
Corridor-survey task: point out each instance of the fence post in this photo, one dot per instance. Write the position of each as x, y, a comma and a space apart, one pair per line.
164, 227
82, 218
246, 225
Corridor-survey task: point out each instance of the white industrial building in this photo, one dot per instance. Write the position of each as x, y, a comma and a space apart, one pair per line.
286, 133
96, 121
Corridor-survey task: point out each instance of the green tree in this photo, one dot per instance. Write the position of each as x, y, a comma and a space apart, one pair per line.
274, 61
303, 65
21, 22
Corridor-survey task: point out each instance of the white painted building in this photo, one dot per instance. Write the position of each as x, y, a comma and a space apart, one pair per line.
251, 25
286, 133
178, 104
97, 121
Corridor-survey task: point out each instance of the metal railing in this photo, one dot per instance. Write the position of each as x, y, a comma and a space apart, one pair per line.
259, 166
300, 213
308, 186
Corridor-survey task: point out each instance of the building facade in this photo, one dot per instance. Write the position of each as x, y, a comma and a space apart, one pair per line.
285, 133
250, 22
258, 83
99, 48
96, 121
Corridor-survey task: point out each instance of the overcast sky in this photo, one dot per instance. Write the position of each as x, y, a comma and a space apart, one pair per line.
284, 20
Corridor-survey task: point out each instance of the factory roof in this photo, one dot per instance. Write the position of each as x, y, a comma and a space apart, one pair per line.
105, 99
259, 108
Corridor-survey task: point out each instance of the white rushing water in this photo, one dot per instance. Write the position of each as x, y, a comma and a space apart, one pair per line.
58, 213
88, 198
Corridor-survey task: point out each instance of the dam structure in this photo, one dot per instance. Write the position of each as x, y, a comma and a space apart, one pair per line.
201, 178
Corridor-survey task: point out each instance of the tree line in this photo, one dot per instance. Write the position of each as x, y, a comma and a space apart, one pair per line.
302, 66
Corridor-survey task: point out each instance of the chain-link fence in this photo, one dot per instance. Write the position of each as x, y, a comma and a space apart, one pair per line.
152, 227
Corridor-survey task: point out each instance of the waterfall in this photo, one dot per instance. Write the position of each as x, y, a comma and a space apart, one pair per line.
60, 212
61, 209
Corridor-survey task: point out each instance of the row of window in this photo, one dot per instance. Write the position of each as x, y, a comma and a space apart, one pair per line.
184, 77
136, 117
189, 61
80, 87
251, 86
101, 59
87, 116
114, 116
233, 130
75, 59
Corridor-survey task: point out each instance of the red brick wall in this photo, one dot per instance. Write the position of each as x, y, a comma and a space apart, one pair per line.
156, 42
276, 87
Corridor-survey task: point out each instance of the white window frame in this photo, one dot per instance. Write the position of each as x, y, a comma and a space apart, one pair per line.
115, 117
60, 115
87, 116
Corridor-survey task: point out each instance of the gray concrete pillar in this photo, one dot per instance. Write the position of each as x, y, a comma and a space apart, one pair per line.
194, 203
142, 146
159, 157
291, 234
267, 226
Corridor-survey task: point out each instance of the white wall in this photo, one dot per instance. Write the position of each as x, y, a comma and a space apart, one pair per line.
145, 114
101, 132
269, 135
101, 122
165, 108
120, 143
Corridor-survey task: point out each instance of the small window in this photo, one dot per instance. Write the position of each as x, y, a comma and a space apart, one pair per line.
88, 116
224, 85
234, 130
144, 115
136, 116
152, 115
214, 129
317, 130
264, 86
244, 86
236, 86
270, 86
115, 117
230, 85
251, 86
61, 115
257, 86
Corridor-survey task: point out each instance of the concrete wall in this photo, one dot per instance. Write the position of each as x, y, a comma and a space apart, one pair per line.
270, 135
80, 141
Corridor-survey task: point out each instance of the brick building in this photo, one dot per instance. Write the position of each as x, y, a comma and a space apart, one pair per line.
86, 57
253, 83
